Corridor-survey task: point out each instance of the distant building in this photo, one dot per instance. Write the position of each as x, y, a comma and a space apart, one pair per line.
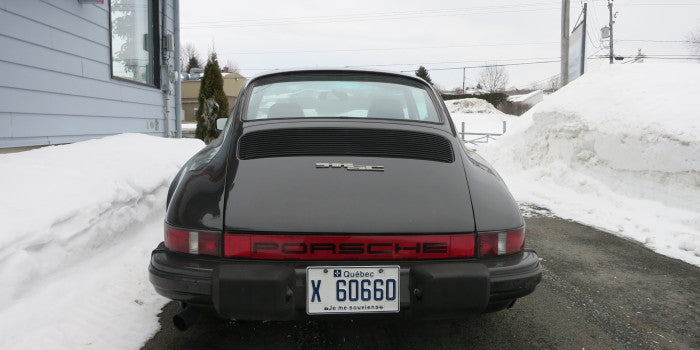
79, 69
190, 92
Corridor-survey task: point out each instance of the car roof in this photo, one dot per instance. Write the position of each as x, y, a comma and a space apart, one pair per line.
335, 70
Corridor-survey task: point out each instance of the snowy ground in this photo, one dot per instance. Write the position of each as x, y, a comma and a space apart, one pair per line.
618, 149
79, 222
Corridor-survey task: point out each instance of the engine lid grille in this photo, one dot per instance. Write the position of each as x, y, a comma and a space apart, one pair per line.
345, 142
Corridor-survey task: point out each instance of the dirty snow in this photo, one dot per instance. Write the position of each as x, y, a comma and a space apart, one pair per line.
79, 222
618, 149
471, 105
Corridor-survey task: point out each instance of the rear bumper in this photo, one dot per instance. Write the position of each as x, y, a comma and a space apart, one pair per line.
276, 290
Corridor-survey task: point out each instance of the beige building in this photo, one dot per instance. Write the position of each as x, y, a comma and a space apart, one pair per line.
190, 94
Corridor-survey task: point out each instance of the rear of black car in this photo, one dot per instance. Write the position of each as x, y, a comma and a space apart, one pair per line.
336, 192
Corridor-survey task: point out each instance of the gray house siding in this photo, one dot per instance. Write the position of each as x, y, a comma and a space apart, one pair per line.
55, 79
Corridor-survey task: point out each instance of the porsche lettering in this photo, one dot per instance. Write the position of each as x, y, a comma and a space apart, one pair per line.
350, 248
350, 166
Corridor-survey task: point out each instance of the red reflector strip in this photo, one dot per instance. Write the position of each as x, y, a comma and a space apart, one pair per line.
515, 241
303, 247
208, 243
177, 240
488, 244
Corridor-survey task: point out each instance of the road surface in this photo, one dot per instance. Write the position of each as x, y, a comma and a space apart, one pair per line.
598, 292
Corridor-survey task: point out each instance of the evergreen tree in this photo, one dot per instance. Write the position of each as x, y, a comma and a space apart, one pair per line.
213, 102
192, 63
423, 73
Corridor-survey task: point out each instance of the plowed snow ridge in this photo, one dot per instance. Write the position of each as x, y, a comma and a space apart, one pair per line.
618, 149
79, 222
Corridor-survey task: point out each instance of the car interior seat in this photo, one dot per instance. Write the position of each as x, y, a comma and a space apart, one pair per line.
285, 110
385, 108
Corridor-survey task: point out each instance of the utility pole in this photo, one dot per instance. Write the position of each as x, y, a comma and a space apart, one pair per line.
564, 71
464, 80
610, 9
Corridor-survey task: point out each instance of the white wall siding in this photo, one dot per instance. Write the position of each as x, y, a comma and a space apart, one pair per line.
55, 81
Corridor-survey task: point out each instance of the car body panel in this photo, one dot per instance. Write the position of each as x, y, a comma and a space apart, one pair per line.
290, 194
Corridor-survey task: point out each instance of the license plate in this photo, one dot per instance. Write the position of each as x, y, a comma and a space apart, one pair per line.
352, 289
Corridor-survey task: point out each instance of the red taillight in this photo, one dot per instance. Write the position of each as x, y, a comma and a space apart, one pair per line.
501, 243
192, 242
307, 247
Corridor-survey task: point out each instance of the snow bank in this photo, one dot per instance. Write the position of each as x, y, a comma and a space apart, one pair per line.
531, 98
471, 105
79, 222
474, 115
490, 123
618, 149
478, 116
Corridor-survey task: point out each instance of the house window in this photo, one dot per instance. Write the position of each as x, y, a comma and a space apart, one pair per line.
133, 26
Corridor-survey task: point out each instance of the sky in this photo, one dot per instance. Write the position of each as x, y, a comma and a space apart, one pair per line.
401, 35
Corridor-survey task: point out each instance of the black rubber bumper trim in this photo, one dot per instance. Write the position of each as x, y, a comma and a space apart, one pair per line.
189, 278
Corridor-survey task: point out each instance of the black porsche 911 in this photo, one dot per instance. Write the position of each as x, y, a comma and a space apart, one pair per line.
340, 192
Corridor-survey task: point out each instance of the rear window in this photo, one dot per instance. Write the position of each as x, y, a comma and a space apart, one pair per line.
341, 99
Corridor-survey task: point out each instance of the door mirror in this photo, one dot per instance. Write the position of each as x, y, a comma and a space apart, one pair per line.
221, 123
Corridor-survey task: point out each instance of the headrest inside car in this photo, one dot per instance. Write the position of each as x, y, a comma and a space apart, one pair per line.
385, 108
285, 110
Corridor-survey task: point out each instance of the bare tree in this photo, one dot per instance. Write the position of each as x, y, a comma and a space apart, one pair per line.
554, 83
493, 78
190, 58
694, 41
231, 66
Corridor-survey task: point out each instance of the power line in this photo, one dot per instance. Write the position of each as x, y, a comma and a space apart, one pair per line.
492, 65
355, 18
656, 41
368, 14
448, 62
588, 34
604, 3
657, 57
596, 24
394, 48
661, 4
667, 55
371, 14
423, 64
595, 53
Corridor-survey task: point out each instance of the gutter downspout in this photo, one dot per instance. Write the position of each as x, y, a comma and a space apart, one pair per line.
178, 74
166, 64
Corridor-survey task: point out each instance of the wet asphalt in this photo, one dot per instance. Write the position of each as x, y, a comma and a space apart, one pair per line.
598, 291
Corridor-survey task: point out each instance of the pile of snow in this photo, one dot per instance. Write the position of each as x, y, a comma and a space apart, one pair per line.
531, 98
78, 224
189, 127
618, 149
474, 115
471, 105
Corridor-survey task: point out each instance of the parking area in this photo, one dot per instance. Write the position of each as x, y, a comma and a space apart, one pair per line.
598, 292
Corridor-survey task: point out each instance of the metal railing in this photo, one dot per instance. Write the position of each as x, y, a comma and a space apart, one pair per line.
481, 137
